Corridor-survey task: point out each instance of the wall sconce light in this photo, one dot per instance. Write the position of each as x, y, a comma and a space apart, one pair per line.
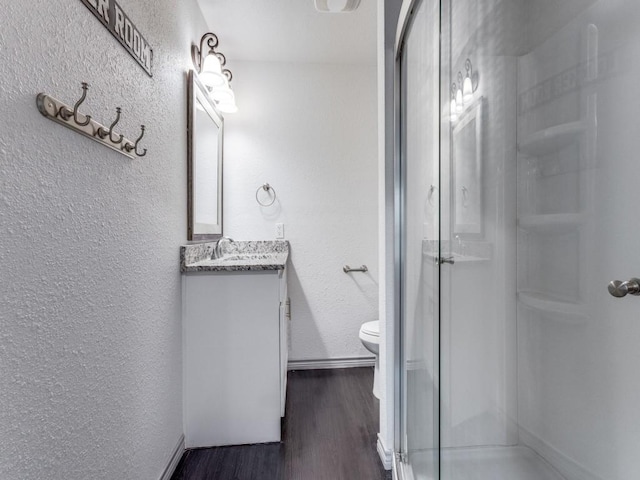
462, 92
209, 64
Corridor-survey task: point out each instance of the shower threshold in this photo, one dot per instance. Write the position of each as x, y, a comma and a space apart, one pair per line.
484, 463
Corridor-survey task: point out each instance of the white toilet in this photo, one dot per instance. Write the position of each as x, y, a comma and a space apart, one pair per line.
370, 337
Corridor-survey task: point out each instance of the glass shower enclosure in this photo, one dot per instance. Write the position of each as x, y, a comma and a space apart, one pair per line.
518, 170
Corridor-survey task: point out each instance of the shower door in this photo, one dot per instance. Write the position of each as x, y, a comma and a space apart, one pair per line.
578, 346
419, 242
519, 240
539, 362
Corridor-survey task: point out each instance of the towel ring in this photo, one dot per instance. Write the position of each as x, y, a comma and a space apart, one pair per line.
266, 187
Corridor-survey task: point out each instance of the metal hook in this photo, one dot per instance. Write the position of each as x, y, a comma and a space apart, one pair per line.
118, 110
85, 87
130, 146
144, 152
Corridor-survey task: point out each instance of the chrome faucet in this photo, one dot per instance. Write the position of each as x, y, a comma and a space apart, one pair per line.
218, 248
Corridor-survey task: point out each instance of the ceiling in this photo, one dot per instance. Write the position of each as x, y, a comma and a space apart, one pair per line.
292, 31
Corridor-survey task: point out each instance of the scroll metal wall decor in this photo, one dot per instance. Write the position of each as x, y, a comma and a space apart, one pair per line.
120, 26
71, 118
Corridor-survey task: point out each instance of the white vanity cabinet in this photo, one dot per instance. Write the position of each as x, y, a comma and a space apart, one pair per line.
235, 340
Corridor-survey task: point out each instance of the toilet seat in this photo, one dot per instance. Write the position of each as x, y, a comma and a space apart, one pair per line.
370, 336
371, 329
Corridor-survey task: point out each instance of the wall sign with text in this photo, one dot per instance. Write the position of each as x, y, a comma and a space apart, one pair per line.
116, 21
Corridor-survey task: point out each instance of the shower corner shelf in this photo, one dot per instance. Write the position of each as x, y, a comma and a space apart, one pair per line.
555, 222
552, 139
547, 303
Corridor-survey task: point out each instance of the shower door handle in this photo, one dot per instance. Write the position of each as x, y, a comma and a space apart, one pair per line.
448, 260
622, 289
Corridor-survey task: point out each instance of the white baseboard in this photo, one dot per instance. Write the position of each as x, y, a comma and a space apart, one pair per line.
565, 465
386, 455
320, 364
174, 460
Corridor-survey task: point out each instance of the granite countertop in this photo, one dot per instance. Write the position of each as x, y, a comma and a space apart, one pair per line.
237, 256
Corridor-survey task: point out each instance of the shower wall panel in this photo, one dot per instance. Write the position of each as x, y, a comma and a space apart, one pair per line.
577, 162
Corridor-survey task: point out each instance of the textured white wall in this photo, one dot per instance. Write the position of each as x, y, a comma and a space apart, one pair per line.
310, 131
90, 337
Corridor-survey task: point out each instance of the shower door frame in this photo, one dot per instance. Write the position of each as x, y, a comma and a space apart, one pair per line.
400, 456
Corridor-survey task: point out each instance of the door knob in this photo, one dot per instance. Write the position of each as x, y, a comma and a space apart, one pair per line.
621, 289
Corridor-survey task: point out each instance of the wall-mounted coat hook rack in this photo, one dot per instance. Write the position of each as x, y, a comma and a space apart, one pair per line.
61, 113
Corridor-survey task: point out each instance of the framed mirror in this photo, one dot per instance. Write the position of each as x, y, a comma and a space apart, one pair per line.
204, 163
467, 171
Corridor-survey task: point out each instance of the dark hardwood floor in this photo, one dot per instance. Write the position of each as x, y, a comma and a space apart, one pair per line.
329, 433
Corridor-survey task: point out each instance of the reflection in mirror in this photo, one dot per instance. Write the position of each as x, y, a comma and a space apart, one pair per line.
205, 133
467, 171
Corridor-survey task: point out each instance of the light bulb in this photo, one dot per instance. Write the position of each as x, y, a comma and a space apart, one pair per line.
459, 102
467, 90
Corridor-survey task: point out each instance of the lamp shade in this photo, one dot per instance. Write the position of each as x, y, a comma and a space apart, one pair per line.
227, 103
459, 102
467, 90
211, 75
453, 111
222, 93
